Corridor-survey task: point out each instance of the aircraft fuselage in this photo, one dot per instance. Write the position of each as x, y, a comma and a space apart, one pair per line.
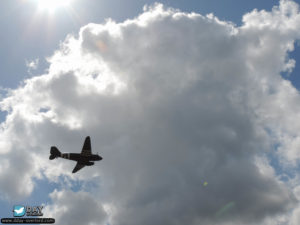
80, 158
85, 158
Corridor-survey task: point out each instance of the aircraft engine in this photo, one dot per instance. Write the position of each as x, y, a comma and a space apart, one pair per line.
89, 163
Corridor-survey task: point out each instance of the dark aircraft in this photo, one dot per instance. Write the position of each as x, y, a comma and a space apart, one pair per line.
83, 159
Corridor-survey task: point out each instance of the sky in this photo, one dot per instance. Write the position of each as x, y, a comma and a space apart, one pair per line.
193, 105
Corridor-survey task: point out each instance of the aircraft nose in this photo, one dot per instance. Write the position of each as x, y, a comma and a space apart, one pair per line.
99, 157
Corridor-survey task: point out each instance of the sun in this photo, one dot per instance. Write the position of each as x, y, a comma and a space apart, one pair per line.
52, 5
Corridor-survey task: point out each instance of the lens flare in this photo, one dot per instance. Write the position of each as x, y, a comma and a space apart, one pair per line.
228, 207
52, 5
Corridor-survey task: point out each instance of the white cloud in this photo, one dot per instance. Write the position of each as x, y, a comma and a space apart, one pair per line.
32, 65
75, 208
171, 100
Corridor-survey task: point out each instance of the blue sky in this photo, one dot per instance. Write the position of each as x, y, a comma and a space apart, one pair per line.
30, 34
155, 123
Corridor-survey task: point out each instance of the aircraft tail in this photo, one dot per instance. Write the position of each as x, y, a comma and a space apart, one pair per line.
54, 153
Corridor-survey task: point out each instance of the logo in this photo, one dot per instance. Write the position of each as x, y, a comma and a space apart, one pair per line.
19, 211
33, 214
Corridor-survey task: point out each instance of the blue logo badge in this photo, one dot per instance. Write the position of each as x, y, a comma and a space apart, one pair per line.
19, 210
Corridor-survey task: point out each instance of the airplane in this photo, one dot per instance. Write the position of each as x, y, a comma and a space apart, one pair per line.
83, 159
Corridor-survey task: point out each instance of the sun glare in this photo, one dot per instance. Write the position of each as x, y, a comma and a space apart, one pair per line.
52, 5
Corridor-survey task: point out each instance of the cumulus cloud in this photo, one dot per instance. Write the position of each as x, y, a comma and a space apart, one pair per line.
75, 208
171, 100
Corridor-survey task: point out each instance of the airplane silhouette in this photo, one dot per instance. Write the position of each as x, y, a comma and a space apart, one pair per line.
83, 159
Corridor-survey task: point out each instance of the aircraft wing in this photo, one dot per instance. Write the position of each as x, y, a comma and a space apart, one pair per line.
78, 167
87, 149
